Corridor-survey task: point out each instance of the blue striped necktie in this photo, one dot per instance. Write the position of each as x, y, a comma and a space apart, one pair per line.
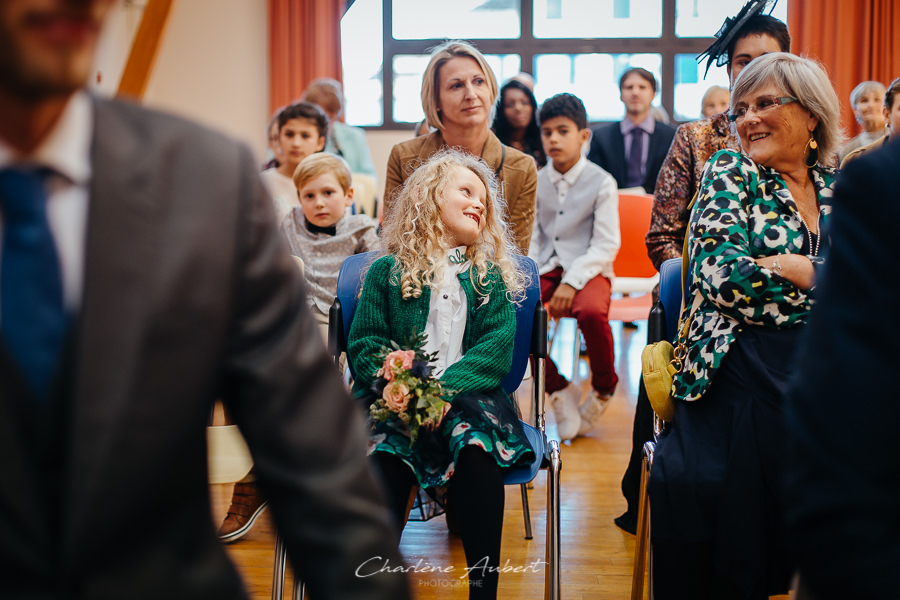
32, 313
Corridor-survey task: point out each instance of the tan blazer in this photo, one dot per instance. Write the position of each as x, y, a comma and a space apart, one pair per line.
189, 294
518, 177
853, 155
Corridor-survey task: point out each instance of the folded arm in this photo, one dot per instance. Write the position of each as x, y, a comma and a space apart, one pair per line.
722, 262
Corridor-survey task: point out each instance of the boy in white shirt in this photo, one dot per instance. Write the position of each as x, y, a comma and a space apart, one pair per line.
302, 130
575, 240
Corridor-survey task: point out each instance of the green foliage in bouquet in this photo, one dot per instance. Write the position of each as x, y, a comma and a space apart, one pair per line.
405, 388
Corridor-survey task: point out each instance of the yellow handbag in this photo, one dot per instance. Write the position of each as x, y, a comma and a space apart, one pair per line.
659, 369
661, 361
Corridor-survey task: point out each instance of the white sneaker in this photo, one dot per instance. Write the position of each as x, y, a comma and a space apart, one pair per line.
565, 408
590, 411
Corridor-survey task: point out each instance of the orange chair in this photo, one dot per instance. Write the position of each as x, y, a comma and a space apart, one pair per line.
635, 274
635, 279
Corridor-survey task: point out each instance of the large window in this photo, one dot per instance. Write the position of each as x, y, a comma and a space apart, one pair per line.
577, 46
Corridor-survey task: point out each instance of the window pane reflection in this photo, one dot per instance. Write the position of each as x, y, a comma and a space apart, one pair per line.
690, 85
408, 70
702, 18
592, 77
362, 55
462, 19
597, 18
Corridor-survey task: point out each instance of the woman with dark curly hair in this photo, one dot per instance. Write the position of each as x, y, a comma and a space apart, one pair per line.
515, 123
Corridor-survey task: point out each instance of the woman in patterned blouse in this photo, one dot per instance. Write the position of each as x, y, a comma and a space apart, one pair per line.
679, 179
695, 142
755, 234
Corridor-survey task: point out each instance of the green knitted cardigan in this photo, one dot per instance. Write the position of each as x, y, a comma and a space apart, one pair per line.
383, 315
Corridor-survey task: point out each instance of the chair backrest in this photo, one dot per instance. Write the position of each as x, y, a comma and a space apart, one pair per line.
228, 455
634, 221
364, 194
670, 292
300, 266
349, 285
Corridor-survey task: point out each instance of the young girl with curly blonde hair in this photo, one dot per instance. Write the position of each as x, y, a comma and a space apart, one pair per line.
448, 273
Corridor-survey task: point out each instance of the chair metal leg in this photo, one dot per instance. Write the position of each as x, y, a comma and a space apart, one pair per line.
576, 359
278, 571
552, 576
642, 533
526, 512
299, 588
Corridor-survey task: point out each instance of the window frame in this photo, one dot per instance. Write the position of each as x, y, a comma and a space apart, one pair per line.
668, 45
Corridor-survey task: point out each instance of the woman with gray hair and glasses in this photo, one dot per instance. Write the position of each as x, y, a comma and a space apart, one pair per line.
755, 235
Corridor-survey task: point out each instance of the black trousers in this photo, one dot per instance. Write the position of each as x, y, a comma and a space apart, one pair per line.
476, 492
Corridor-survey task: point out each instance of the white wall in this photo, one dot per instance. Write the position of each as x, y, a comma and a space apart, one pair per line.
380, 144
212, 64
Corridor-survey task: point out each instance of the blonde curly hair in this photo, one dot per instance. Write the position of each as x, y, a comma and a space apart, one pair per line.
414, 233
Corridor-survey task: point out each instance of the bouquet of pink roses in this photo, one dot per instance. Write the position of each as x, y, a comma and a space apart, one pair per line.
405, 389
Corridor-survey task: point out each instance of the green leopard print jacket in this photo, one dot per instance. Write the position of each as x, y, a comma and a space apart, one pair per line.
744, 211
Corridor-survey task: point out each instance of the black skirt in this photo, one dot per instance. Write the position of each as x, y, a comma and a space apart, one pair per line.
717, 470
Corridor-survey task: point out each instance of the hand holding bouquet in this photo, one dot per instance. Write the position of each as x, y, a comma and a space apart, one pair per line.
405, 389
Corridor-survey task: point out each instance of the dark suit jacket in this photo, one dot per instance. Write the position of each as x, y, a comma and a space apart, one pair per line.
608, 150
189, 295
843, 483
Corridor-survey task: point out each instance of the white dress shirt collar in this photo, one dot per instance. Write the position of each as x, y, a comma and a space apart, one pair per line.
570, 176
67, 150
648, 125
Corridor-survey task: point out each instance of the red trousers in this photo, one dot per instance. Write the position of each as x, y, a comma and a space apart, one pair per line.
590, 308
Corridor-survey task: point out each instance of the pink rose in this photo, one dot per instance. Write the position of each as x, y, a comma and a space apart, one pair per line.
396, 396
396, 361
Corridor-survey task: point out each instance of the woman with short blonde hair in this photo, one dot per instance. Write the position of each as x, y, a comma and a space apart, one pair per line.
458, 94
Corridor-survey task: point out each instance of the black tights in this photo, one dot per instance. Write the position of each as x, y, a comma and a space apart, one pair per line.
477, 495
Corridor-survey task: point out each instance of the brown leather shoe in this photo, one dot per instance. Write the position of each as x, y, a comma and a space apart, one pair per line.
246, 506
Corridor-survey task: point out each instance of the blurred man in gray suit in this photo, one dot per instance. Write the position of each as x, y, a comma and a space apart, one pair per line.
141, 277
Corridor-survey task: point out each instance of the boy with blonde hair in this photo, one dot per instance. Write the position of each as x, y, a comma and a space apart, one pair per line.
318, 230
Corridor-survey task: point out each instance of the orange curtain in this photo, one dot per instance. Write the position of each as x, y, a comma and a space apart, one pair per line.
856, 41
304, 43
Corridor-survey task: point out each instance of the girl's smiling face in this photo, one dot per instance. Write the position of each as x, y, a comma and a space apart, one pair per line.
463, 211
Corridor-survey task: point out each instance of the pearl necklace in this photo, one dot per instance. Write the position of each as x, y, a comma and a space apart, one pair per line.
814, 250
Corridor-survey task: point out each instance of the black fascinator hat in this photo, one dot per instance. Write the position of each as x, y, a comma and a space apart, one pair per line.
718, 50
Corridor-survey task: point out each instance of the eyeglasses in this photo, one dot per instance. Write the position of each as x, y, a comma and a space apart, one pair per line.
762, 107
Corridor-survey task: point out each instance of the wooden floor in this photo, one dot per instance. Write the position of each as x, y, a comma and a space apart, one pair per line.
596, 555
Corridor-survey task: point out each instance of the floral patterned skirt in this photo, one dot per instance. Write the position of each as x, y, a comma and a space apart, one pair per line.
484, 419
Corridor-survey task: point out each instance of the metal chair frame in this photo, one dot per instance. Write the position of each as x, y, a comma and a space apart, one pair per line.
531, 340
229, 460
662, 325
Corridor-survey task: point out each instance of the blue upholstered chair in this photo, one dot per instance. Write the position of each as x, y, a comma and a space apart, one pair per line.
662, 325
531, 340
